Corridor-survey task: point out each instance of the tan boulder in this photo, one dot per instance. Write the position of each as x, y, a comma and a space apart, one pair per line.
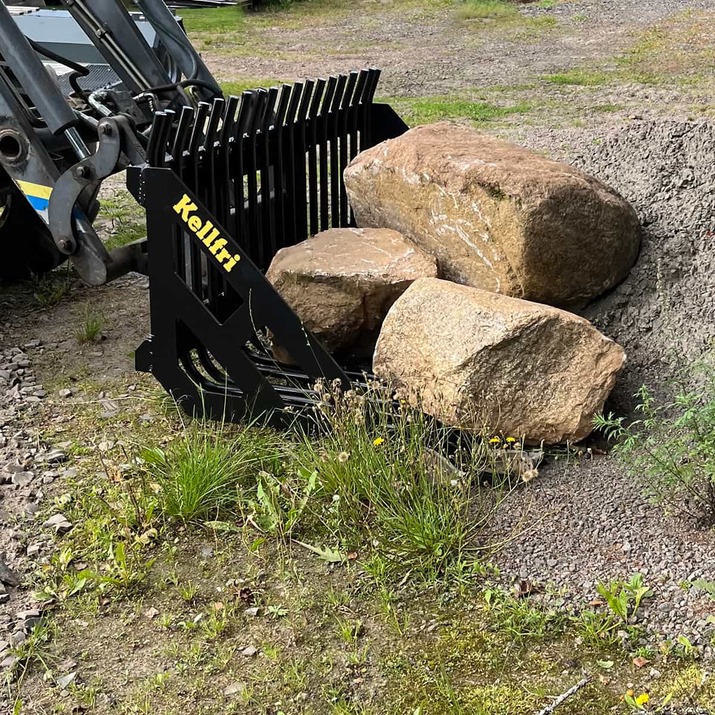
497, 216
483, 361
342, 282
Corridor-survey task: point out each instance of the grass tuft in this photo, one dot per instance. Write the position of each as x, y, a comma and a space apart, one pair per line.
91, 328
487, 10
204, 474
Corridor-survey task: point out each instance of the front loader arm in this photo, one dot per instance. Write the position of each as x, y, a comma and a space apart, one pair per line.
58, 154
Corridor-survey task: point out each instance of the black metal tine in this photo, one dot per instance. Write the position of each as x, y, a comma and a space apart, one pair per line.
183, 129
345, 109
202, 111
196, 258
355, 114
283, 105
230, 118
364, 108
255, 233
268, 245
277, 162
239, 168
301, 173
156, 151
374, 79
329, 94
214, 123
324, 151
313, 181
291, 222
335, 177
216, 189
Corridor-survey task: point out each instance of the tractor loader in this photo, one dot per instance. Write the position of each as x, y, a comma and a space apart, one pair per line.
93, 90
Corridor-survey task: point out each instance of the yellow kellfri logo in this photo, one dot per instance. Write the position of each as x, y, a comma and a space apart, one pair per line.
207, 233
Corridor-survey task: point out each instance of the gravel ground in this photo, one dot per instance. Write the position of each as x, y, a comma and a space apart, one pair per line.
27, 468
593, 524
427, 51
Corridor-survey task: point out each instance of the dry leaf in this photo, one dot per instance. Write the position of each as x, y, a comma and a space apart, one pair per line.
640, 661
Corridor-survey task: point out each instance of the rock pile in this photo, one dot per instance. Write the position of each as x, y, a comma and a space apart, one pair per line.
507, 224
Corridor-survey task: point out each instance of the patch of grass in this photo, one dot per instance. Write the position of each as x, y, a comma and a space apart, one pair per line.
124, 220
237, 86
579, 77
214, 20
52, 287
90, 331
383, 489
487, 10
205, 473
432, 109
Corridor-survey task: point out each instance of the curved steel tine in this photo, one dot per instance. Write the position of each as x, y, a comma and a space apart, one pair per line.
229, 119
329, 94
294, 102
214, 122
156, 151
317, 97
269, 111
197, 131
305, 100
183, 130
339, 91
349, 90
374, 77
283, 104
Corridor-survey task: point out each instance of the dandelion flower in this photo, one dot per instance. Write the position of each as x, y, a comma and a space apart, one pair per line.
511, 440
494, 440
642, 700
378, 441
343, 457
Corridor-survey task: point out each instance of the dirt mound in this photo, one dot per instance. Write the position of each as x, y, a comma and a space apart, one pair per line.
664, 313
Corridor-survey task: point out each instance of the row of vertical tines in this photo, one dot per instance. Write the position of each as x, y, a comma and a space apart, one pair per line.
268, 165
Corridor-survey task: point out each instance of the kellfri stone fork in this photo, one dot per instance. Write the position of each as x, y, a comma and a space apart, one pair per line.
93, 90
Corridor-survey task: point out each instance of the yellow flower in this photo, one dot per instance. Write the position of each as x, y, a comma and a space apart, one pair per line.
494, 440
378, 441
511, 440
642, 700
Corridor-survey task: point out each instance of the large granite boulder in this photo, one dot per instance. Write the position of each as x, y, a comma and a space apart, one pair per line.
342, 282
483, 361
497, 216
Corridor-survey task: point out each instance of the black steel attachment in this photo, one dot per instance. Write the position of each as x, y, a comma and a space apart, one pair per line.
225, 187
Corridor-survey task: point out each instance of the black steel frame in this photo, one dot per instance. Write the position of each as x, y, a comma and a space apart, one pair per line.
225, 187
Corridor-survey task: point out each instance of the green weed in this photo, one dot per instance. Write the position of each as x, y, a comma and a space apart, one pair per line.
671, 448
92, 324
205, 473
52, 287
520, 619
624, 597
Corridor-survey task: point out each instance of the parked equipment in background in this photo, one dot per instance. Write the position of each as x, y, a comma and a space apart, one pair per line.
92, 90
